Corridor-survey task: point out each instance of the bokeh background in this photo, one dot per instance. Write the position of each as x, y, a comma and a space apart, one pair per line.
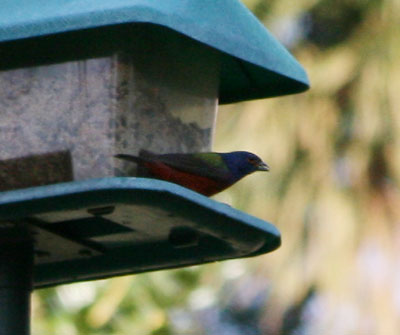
333, 192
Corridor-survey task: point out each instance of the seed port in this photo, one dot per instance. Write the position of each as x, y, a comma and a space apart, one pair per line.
99, 211
183, 237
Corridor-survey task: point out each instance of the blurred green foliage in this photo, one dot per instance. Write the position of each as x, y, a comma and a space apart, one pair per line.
333, 191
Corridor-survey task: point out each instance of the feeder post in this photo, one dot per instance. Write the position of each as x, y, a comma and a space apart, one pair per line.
16, 271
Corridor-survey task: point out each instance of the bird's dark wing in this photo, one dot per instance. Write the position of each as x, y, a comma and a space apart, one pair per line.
210, 164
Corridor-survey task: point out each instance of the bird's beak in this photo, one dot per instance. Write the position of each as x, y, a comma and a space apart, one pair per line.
262, 167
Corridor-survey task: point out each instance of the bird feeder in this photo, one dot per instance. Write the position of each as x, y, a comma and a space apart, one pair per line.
81, 82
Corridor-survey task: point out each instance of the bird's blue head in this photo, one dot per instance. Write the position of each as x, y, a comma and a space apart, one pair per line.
242, 163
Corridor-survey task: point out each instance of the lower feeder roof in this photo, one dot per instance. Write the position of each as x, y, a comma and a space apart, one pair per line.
254, 64
101, 228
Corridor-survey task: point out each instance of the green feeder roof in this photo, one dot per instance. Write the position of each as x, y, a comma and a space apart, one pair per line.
254, 64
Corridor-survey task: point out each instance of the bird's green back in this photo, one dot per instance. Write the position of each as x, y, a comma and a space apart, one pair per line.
209, 164
212, 159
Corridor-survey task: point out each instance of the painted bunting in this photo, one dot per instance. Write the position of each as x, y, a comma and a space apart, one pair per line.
206, 173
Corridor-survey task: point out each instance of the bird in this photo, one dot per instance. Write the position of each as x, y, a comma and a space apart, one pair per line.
207, 173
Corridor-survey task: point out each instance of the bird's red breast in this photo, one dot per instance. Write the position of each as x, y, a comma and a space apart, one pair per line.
197, 183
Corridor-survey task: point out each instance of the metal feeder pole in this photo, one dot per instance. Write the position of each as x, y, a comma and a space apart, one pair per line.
16, 271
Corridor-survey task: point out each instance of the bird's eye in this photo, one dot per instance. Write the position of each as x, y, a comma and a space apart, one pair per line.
252, 160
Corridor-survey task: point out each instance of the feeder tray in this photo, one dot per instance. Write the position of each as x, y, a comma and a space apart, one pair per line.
114, 226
